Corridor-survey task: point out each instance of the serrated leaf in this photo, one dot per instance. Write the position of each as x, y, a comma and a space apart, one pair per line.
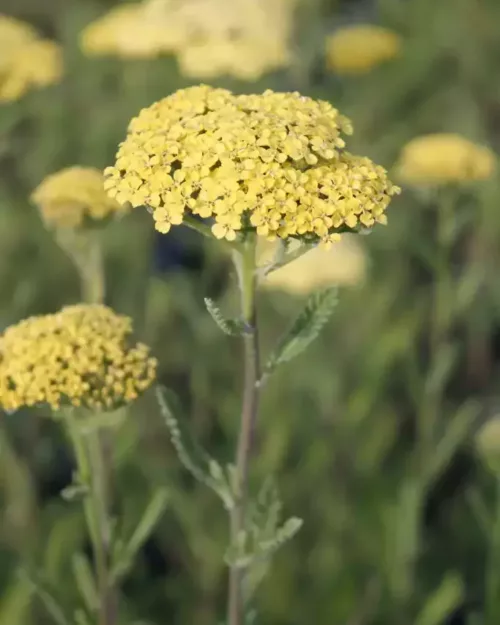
305, 329
85, 582
150, 517
190, 455
196, 461
231, 327
443, 601
282, 536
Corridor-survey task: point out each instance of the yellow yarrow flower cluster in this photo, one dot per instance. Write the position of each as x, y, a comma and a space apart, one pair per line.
75, 197
272, 163
80, 356
444, 158
26, 61
242, 38
358, 49
343, 265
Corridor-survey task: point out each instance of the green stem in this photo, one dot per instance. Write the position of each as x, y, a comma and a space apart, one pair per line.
442, 313
246, 267
89, 261
492, 608
92, 273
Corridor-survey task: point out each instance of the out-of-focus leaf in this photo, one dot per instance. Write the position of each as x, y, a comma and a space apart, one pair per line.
443, 601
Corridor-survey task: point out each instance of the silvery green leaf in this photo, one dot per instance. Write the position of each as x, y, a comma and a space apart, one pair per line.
231, 327
196, 461
316, 313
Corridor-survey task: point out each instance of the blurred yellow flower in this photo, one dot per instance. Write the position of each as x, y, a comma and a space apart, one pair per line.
26, 61
242, 38
81, 356
73, 197
358, 49
444, 158
344, 264
13, 34
272, 162
129, 31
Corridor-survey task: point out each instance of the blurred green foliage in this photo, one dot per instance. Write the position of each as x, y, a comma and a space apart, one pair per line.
369, 434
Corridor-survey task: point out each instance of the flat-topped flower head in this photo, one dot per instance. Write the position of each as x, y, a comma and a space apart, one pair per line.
75, 197
26, 61
444, 158
270, 163
80, 356
359, 48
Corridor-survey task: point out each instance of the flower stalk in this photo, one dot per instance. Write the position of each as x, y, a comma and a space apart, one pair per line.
98, 457
246, 267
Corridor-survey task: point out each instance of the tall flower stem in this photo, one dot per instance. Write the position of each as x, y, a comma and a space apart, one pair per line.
246, 267
89, 261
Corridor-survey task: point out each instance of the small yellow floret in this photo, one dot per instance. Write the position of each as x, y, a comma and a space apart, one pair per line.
357, 49
344, 264
444, 158
272, 162
81, 356
74, 196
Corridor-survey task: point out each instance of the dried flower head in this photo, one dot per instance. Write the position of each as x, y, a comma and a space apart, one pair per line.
271, 163
74, 197
26, 61
80, 356
358, 49
344, 264
444, 158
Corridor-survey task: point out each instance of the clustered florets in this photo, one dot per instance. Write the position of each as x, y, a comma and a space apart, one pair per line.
74, 197
80, 356
272, 162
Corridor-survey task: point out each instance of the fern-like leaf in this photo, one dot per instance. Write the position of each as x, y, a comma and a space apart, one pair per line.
305, 328
231, 327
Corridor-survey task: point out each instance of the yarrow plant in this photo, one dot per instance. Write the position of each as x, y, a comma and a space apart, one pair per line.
240, 169
84, 366
75, 207
82, 363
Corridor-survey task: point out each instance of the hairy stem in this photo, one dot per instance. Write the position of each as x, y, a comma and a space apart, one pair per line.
246, 265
